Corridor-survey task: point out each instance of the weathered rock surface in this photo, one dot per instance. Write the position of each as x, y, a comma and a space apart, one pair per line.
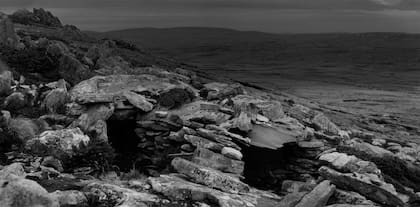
319, 196
59, 143
24, 193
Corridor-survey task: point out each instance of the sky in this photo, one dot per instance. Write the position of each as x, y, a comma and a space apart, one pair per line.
278, 16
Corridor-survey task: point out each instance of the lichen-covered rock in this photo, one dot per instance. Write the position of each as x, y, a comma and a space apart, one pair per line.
59, 143
24, 129
19, 192
210, 177
322, 122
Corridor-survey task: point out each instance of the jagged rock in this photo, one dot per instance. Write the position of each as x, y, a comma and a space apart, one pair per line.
217, 161
214, 136
59, 143
8, 35
350, 198
24, 193
15, 169
55, 100
114, 195
209, 177
346, 163
319, 196
50, 161
178, 189
138, 101
215, 90
291, 186
322, 122
6, 79
201, 142
36, 17
273, 110
15, 101
71, 198
73, 70
92, 115
292, 199
175, 97
232, 153
272, 137
371, 187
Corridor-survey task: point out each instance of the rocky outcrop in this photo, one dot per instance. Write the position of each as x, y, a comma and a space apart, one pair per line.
36, 17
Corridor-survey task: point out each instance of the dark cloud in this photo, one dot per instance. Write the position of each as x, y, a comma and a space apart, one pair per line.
265, 15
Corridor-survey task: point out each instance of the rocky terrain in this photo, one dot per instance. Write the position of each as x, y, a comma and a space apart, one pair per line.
89, 122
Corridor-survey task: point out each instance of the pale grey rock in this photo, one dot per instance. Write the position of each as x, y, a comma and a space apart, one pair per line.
232, 153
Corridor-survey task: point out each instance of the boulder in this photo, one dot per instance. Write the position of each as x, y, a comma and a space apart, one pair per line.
55, 100
25, 129
215, 90
70, 198
232, 153
138, 101
175, 97
57, 49
346, 163
90, 117
319, 196
217, 161
370, 187
209, 177
19, 192
59, 143
12, 170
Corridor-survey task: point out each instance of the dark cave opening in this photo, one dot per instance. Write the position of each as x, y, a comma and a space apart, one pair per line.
266, 169
124, 140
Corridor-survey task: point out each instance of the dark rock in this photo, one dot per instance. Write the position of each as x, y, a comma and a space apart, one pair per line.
73, 70
8, 35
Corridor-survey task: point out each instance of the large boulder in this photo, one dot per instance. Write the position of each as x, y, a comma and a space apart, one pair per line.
19, 192
55, 100
59, 143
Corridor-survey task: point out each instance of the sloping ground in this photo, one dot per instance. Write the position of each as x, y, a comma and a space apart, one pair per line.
109, 132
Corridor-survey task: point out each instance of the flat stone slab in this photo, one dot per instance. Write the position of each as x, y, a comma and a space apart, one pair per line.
271, 137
